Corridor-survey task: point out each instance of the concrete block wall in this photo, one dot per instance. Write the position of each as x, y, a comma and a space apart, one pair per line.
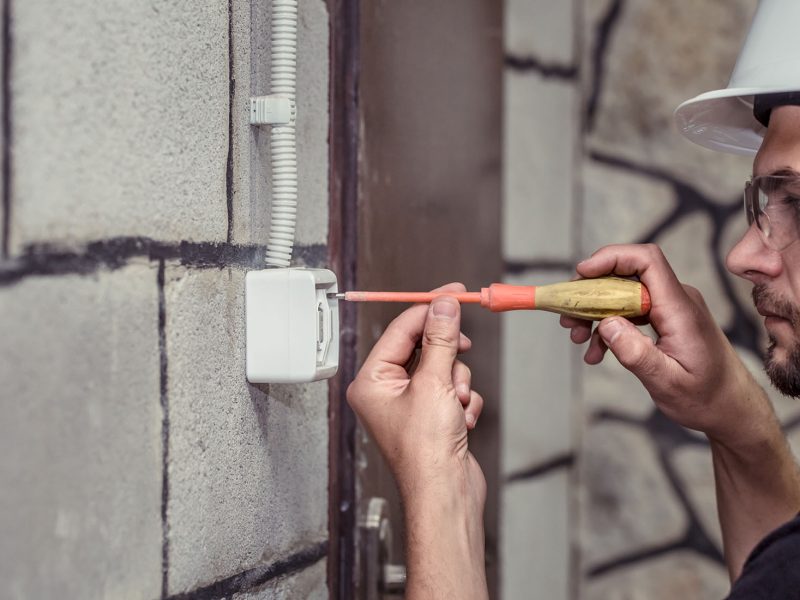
135, 459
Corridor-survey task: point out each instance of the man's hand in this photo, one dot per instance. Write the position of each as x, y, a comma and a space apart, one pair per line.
691, 371
420, 422
695, 377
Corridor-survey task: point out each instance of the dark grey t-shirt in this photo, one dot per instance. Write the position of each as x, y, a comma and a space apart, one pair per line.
772, 571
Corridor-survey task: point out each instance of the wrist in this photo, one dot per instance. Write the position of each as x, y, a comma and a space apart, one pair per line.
445, 536
748, 420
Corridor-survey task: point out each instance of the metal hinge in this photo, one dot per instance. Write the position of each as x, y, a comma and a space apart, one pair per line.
379, 576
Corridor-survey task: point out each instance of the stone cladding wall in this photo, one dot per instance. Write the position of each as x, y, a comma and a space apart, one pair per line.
605, 498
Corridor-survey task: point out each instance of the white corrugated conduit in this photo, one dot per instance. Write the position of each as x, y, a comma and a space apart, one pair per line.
279, 110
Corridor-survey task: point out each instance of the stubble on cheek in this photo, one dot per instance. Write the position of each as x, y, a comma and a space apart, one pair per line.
784, 374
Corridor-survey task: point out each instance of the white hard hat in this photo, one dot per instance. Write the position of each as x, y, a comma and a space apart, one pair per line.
769, 63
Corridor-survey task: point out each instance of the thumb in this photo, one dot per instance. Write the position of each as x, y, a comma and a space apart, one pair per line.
441, 337
633, 349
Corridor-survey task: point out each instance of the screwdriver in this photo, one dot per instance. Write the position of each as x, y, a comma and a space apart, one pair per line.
592, 299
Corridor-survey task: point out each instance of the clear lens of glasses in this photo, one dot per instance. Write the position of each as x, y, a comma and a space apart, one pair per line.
773, 203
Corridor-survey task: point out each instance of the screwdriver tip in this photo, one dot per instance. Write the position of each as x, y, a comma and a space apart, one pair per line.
339, 296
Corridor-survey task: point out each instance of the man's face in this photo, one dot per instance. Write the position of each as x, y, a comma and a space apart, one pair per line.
775, 274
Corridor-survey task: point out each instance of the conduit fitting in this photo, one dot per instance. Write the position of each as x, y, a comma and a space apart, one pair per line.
272, 110
279, 110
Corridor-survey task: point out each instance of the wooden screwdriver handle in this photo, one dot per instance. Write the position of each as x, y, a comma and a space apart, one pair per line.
595, 299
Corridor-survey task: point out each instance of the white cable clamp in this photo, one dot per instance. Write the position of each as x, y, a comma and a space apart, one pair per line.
271, 110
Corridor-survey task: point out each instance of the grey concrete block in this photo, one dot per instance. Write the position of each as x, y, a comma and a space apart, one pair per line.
541, 126
309, 584
248, 480
120, 125
312, 129
538, 384
627, 504
542, 29
80, 437
675, 575
535, 552
248, 218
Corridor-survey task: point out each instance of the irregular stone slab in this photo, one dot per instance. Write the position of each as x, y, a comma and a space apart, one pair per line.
696, 471
650, 68
627, 503
687, 246
80, 436
248, 479
610, 386
619, 206
676, 575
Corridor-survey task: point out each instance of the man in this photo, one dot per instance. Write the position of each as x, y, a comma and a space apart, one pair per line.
420, 420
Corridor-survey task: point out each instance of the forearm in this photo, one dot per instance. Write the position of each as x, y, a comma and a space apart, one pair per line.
757, 481
445, 544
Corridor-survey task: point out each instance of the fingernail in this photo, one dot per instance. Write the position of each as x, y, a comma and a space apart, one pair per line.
463, 389
444, 308
470, 421
610, 330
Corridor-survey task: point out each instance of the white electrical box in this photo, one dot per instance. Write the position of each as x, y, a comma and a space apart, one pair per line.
292, 325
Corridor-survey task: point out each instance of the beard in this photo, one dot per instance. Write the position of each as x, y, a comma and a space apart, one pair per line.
785, 374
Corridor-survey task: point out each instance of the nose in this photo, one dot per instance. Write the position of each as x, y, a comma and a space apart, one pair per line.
751, 259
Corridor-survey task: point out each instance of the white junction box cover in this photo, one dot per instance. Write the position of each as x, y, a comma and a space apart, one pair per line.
292, 325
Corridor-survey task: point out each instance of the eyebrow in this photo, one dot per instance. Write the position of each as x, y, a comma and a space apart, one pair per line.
780, 172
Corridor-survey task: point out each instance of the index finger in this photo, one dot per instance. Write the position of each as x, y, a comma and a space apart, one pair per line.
400, 339
645, 260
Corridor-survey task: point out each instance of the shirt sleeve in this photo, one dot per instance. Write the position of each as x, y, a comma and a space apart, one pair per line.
772, 571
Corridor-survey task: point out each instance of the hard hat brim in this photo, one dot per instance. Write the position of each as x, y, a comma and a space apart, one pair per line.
723, 119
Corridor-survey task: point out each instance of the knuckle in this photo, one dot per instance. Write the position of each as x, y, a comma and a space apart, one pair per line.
655, 251
438, 336
352, 392
637, 358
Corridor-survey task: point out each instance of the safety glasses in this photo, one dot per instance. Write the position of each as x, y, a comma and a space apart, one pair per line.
773, 203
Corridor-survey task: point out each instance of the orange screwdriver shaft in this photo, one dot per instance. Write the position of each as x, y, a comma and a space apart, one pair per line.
585, 299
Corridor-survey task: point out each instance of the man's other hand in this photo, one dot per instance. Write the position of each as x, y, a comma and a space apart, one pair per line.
420, 419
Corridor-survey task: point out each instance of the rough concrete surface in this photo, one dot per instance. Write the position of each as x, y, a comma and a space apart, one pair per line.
312, 129
80, 437
536, 538
540, 125
627, 503
542, 29
248, 474
537, 384
121, 120
309, 584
